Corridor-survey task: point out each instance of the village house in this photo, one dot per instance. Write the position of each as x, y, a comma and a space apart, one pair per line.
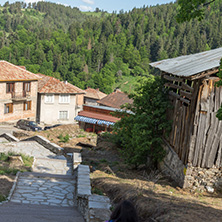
92, 96
194, 146
100, 118
58, 102
96, 118
18, 89
115, 99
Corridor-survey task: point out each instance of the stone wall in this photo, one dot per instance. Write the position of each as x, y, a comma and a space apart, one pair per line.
194, 178
18, 111
172, 166
203, 179
47, 144
9, 137
94, 208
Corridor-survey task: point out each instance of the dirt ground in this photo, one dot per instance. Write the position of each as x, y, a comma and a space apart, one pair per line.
156, 197
6, 183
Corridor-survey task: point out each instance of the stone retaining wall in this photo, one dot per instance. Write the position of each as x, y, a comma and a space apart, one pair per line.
195, 178
94, 208
47, 144
203, 179
9, 137
172, 166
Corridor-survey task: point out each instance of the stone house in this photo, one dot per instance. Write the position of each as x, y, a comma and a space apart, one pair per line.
58, 102
92, 96
18, 89
194, 146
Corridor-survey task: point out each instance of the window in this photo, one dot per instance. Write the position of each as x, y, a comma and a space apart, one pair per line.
27, 86
64, 98
63, 115
10, 87
49, 98
27, 105
8, 108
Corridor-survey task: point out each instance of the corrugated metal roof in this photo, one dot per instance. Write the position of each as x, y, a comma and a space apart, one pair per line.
189, 65
109, 108
93, 121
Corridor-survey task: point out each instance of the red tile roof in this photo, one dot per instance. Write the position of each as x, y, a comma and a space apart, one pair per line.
98, 116
11, 72
115, 100
48, 84
94, 93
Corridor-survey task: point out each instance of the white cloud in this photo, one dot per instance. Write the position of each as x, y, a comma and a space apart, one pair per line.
90, 2
59, 3
85, 8
32, 1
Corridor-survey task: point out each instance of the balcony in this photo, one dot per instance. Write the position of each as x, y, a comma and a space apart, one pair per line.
20, 96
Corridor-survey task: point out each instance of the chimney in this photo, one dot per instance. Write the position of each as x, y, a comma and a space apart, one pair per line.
66, 82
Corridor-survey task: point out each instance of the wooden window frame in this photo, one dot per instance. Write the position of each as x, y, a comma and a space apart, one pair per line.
8, 108
27, 105
25, 88
10, 87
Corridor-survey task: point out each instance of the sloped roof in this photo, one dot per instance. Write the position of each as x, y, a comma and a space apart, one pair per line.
11, 72
115, 100
94, 93
189, 65
48, 84
98, 116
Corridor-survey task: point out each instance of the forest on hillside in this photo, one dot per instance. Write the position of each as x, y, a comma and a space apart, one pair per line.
100, 51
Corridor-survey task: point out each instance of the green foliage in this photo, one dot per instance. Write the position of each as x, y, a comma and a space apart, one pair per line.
190, 9
64, 139
2, 198
139, 135
100, 49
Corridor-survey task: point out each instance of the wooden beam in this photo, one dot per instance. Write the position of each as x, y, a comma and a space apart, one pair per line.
171, 85
174, 94
185, 101
172, 78
186, 94
187, 87
203, 74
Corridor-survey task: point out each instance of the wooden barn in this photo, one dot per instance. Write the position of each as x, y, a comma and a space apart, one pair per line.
196, 135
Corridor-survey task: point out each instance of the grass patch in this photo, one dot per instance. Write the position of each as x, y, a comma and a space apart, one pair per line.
127, 83
97, 191
8, 171
28, 161
2, 198
81, 135
64, 139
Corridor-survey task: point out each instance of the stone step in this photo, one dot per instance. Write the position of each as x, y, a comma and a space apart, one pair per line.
51, 166
51, 191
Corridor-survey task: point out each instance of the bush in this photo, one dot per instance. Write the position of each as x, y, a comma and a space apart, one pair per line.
140, 134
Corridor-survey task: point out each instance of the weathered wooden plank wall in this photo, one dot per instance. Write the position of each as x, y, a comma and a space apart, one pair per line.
206, 144
183, 103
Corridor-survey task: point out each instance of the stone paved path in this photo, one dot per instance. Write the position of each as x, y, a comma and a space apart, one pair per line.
50, 186
37, 189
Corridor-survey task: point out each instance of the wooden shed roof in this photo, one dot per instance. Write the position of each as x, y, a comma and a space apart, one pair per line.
190, 65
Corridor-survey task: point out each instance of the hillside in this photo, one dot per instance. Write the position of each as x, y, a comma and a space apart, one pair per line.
100, 50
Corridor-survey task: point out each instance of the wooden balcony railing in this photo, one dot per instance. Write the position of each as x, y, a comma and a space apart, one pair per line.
20, 96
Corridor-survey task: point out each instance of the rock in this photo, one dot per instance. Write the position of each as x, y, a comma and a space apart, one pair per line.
210, 189
16, 161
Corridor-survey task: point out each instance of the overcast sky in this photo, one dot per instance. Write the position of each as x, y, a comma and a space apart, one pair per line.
106, 5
